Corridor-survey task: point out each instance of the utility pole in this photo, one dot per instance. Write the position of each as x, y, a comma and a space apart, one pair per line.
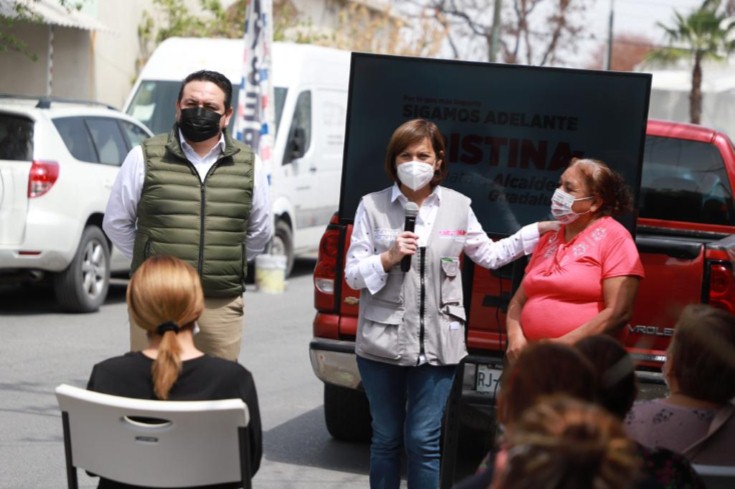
50, 61
608, 57
495, 34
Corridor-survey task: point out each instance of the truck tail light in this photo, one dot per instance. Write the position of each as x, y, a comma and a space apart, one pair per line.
721, 286
325, 271
42, 177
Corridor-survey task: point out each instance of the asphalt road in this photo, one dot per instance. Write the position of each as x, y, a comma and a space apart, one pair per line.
41, 348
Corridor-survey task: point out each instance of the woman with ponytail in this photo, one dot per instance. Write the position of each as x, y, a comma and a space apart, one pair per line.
165, 298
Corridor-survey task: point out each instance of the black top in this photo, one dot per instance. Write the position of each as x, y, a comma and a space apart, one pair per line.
201, 379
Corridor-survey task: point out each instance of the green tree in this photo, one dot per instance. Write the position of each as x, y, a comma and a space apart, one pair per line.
358, 27
704, 34
172, 18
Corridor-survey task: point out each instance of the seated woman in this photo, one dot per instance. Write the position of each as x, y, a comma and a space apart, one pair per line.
586, 275
529, 378
564, 443
165, 298
696, 419
542, 369
618, 388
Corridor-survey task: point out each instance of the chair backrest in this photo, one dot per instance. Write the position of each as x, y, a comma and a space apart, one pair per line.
716, 476
155, 443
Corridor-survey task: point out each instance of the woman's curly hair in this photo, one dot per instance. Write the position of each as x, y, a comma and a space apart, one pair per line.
564, 443
607, 184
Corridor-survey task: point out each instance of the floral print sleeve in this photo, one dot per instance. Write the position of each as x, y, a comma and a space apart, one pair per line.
665, 469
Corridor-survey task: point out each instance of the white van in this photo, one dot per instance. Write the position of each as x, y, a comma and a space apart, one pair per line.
310, 88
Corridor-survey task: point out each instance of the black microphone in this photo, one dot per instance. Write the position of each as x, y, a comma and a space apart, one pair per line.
412, 210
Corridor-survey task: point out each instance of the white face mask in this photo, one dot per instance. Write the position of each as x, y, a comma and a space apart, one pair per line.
415, 174
561, 206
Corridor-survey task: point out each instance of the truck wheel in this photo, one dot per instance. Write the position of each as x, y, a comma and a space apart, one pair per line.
282, 244
347, 414
82, 287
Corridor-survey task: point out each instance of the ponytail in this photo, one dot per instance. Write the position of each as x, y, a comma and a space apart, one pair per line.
167, 365
165, 295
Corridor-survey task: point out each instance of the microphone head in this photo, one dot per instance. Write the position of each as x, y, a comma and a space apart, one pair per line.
412, 210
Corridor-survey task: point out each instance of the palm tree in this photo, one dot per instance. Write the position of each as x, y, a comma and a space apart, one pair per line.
704, 34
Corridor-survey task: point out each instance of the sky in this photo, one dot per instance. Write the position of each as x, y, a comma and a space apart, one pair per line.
630, 17
638, 16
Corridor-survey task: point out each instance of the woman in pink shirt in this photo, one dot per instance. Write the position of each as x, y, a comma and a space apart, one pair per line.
583, 279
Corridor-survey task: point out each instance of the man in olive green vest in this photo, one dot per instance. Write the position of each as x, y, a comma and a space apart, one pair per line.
201, 196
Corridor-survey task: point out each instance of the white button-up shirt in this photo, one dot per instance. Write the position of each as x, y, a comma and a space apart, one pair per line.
121, 214
365, 270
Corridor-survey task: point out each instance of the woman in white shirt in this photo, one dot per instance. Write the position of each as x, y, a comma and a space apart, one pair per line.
410, 334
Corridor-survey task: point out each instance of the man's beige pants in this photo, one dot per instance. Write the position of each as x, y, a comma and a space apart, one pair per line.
220, 329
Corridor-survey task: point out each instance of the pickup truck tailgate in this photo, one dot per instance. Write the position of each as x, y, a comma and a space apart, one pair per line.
674, 277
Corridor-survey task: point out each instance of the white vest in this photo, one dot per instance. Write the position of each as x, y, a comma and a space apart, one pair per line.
422, 310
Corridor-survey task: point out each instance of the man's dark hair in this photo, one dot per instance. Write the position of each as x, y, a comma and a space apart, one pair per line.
211, 76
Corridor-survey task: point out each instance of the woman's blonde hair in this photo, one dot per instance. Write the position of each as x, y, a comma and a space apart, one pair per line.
162, 290
564, 443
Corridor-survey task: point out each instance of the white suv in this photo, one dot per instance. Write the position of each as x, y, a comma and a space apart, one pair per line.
58, 160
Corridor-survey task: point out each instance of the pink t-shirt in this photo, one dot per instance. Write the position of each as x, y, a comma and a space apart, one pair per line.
563, 281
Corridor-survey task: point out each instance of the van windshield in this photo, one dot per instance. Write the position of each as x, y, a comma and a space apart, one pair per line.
154, 104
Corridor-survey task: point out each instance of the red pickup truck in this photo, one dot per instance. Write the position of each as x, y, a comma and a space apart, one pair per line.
684, 236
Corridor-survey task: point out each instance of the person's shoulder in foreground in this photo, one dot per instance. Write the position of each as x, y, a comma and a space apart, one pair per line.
666, 469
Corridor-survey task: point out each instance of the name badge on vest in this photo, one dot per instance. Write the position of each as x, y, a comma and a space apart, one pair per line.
455, 234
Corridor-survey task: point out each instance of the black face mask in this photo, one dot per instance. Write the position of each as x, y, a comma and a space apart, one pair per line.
199, 124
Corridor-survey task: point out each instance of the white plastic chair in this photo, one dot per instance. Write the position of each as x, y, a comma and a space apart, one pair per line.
716, 476
178, 444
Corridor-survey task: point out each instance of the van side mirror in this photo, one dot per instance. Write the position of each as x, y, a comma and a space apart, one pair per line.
297, 144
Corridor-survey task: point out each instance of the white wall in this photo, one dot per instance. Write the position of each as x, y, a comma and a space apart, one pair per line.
93, 65
72, 76
116, 52
670, 96
100, 65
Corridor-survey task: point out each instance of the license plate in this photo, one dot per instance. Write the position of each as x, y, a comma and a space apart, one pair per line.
487, 378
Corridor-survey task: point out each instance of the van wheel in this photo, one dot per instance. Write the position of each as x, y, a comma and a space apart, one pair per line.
282, 244
347, 414
83, 286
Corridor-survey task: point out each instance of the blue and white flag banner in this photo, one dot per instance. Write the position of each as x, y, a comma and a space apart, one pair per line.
254, 124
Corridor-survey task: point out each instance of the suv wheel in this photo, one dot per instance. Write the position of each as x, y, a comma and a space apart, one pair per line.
347, 414
82, 287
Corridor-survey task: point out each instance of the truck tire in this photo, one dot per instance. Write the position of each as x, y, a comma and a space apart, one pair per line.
282, 244
83, 286
347, 414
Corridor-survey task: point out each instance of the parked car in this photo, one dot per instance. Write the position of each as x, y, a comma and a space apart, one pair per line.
58, 160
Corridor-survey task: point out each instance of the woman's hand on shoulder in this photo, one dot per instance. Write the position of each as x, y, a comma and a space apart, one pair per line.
546, 226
